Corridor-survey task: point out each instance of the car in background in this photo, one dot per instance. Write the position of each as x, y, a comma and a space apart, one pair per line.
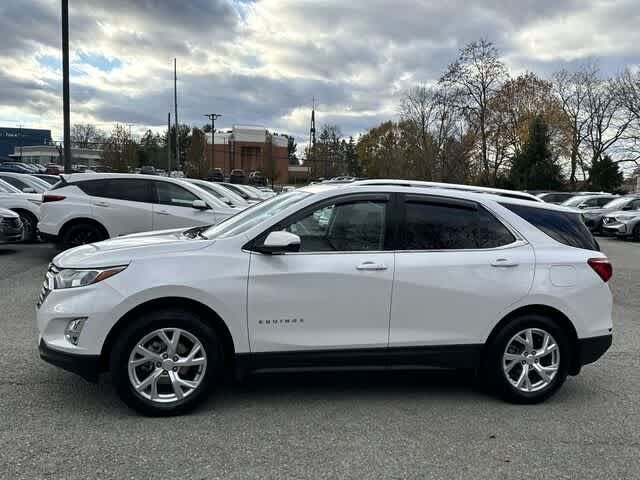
26, 205
593, 217
11, 228
225, 195
11, 167
50, 179
148, 170
589, 201
515, 286
53, 169
237, 176
216, 175
257, 178
86, 207
247, 195
559, 197
25, 182
623, 224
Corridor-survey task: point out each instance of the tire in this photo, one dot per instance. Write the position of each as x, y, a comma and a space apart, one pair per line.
636, 233
81, 234
503, 373
159, 370
30, 223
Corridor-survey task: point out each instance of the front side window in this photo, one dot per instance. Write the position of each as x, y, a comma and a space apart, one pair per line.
435, 226
172, 194
343, 227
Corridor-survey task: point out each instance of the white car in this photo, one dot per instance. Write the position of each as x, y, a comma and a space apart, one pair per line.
85, 208
335, 276
223, 194
25, 183
27, 205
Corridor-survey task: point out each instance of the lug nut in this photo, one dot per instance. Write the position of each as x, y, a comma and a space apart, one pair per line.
524, 363
533, 353
158, 364
164, 355
175, 369
175, 358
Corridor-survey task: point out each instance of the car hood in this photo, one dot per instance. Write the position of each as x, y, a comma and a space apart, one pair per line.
123, 250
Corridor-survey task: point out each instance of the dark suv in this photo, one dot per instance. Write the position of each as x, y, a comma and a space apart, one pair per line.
256, 178
216, 175
237, 176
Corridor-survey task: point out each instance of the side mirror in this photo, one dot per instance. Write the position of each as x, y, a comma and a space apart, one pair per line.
582, 206
29, 190
200, 205
280, 242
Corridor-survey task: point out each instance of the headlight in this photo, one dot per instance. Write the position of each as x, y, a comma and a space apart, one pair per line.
624, 218
71, 278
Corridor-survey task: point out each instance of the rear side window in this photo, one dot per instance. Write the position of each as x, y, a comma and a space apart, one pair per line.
129, 189
438, 226
94, 188
564, 227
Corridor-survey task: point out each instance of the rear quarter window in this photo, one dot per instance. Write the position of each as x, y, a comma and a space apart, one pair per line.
564, 227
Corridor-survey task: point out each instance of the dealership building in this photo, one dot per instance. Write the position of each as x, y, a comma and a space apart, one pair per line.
13, 139
248, 147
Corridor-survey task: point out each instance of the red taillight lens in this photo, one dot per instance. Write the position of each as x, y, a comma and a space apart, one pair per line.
602, 266
52, 198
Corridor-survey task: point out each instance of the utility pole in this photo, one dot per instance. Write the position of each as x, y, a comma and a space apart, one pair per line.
175, 103
213, 117
65, 86
312, 138
169, 143
20, 136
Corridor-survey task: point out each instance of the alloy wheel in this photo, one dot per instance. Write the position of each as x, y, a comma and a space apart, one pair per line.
531, 360
167, 365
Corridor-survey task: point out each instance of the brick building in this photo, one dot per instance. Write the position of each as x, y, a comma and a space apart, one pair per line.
249, 148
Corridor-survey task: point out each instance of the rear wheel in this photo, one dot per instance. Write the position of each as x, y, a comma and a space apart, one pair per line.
527, 361
166, 363
636, 233
81, 234
29, 224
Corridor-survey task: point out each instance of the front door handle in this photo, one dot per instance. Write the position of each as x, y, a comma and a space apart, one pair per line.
371, 266
162, 212
101, 204
504, 262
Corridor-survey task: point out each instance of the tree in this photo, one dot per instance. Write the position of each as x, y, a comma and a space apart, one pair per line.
327, 160
417, 110
351, 158
478, 72
86, 135
119, 153
536, 167
292, 158
605, 175
197, 164
269, 163
628, 91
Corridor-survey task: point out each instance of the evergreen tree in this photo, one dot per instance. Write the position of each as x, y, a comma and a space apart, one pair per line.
535, 166
605, 175
291, 151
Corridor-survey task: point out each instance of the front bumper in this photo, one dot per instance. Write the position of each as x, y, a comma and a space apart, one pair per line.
87, 366
619, 229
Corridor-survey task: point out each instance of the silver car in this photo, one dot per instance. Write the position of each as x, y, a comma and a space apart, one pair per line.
623, 223
593, 217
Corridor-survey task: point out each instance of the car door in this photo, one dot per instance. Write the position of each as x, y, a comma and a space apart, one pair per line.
335, 292
457, 271
122, 205
173, 208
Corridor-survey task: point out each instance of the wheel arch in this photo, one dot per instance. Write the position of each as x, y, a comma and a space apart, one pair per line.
205, 312
80, 220
558, 317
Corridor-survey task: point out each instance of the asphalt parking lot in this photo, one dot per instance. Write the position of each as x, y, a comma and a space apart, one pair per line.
413, 424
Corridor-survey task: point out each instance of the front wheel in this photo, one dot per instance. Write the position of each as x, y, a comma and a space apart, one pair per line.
166, 363
528, 360
81, 234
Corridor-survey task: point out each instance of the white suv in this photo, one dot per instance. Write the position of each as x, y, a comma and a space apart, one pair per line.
335, 276
27, 205
84, 208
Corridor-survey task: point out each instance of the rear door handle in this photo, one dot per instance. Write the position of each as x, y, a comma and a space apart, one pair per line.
504, 262
162, 212
101, 204
371, 266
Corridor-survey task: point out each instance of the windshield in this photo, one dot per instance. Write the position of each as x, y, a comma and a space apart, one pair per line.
6, 188
216, 191
252, 216
574, 201
618, 203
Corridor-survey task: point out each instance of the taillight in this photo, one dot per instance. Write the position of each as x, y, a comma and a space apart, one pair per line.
52, 198
602, 266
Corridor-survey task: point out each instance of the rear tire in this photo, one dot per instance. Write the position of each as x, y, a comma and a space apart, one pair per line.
30, 223
636, 233
174, 384
81, 234
521, 367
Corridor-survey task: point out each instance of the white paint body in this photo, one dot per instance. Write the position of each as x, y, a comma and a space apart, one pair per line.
345, 299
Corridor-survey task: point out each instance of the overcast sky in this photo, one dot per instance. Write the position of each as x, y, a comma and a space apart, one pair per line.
262, 61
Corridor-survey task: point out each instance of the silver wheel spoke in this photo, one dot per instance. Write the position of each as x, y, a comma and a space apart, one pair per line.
513, 356
152, 380
177, 389
529, 337
172, 344
510, 366
524, 375
541, 372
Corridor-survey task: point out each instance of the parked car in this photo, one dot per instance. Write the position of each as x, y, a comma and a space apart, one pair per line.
50, 179
248, 196
25, 182
625, 224
216, 175
226, 196
148, 170
7, 167
559, 197
593, 217
85, 208
513, 288
11, 229
589, 201
237, 176
26, 205
257, 178
53, 169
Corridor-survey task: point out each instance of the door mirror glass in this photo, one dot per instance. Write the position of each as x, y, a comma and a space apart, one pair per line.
199, 205
280, 242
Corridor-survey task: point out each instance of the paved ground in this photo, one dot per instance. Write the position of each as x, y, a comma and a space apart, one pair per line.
374, 425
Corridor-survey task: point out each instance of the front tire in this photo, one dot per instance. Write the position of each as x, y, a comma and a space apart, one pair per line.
166, 363
528, 360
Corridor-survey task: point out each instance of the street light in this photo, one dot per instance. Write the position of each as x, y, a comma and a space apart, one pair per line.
213, 117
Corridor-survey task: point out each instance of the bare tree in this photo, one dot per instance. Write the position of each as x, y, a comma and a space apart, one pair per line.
478, 72
628, 90
86, 135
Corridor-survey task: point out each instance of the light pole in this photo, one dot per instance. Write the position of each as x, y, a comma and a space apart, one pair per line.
213, 117
65, 86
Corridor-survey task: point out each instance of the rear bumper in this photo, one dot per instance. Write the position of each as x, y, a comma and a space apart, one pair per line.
591, 349
87, 366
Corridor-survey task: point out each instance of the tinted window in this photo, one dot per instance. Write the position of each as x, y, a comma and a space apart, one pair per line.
95, 188
599, 202
635, 205
564, 227
346, 227
172, 194
129, 189
435, 226
19, 184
